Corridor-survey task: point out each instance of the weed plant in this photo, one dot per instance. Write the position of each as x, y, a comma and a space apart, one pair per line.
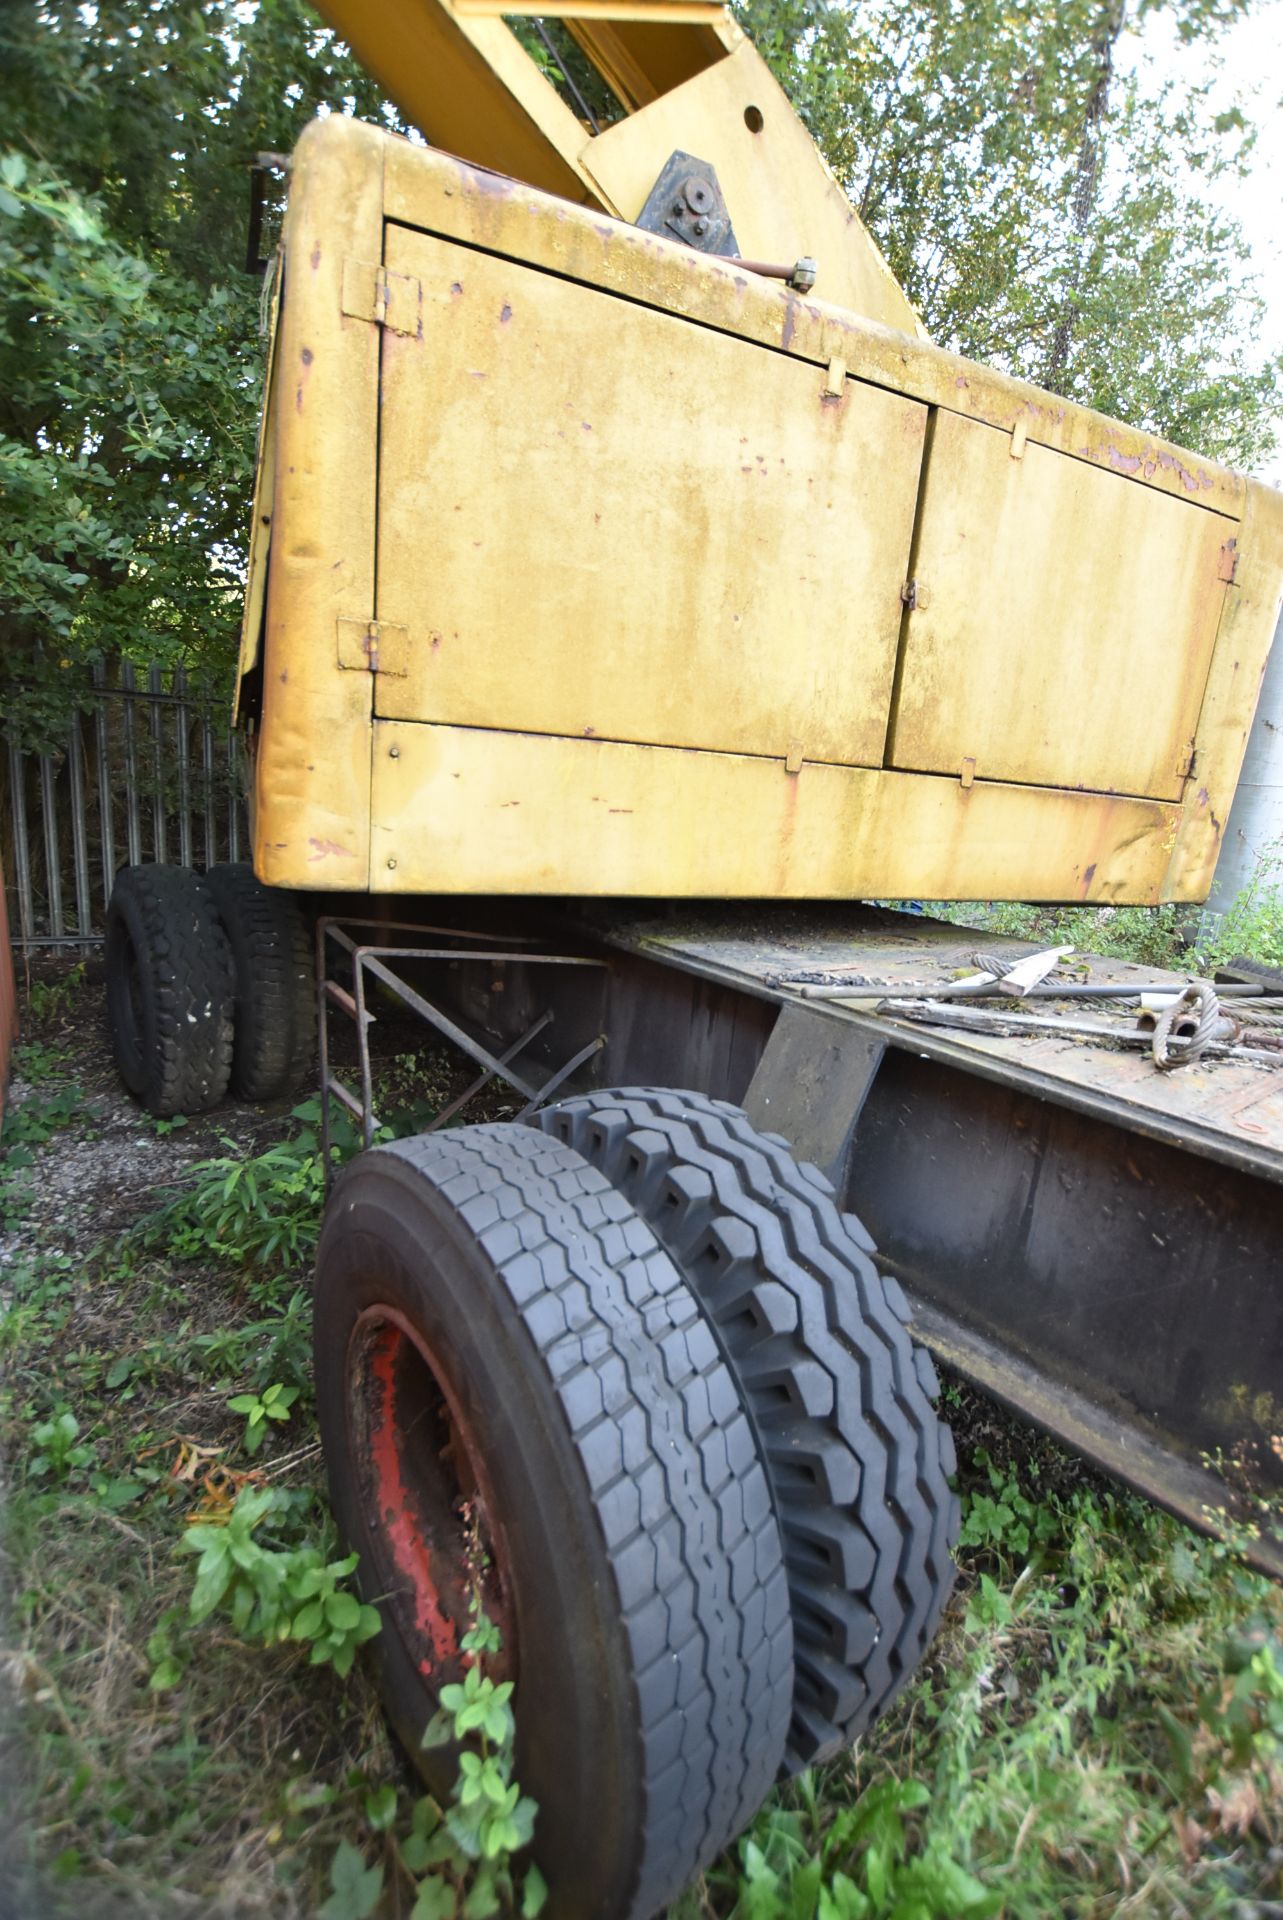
1172, 936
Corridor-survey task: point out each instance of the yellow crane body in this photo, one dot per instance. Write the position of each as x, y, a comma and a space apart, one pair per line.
588, 563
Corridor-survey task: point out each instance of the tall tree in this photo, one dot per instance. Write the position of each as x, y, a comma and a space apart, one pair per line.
1039, 202
130, 353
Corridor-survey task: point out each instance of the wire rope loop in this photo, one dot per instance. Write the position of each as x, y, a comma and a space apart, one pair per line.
996, 964
1171, 1049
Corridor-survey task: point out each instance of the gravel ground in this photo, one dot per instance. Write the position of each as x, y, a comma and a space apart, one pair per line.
99, 1173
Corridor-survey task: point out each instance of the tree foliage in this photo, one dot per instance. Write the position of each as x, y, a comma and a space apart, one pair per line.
1032, 197
1038, 201
130, 349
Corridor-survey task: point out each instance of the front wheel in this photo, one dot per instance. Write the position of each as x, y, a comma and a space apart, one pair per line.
523, 1406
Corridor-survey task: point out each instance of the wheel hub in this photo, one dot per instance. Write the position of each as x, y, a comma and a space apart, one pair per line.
438, 1557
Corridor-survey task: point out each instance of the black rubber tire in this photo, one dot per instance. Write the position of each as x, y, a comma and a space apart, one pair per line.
170, 989
275, 1041
644, 1565
840, 1397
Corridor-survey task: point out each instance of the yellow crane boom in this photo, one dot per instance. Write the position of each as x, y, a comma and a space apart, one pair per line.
684, 77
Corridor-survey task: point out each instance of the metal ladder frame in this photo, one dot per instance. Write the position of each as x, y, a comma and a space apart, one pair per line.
370, 959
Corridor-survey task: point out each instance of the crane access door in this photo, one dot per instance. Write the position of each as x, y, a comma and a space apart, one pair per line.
598, 520
1063, 619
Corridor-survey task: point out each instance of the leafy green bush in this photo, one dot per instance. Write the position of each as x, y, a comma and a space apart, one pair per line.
857, 1866
272, 1404
34, 1121
260, 1211
460, 1857
1252, 925
55, 1449
275, 1593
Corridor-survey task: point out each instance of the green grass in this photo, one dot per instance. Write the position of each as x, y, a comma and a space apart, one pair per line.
1177, 937
1098, 1729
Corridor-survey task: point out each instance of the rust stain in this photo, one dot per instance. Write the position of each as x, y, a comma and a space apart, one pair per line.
316, 257
325, 847
790, 322
306, 356
505, 314
496, 185
456, 288
1147, 464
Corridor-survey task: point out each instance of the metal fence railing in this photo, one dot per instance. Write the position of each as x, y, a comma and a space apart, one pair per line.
149, 771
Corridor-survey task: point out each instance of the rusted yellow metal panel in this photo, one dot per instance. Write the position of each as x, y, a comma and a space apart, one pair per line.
312, 760
547, 690
468, 86
504, 217
668, 13
1064, 620
1251, 615
458, 809
588, 527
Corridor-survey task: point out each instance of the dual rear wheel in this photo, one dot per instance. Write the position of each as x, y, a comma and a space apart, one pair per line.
630, 1382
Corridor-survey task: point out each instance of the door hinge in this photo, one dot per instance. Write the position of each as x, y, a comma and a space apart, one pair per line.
915, 595
391, 300
1227, 565
373, 646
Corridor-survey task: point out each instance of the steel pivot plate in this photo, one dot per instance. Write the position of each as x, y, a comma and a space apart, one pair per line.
686, 203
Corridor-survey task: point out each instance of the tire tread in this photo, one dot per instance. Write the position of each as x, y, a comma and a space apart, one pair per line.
858, 1461
275, 1007
168, 916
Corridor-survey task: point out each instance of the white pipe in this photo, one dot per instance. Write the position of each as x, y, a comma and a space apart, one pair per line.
1254, 830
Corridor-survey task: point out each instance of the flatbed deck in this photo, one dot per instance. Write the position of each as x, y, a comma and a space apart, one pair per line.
1226, 1110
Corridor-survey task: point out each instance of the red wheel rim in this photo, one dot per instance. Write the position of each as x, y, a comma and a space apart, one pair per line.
427, 1500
